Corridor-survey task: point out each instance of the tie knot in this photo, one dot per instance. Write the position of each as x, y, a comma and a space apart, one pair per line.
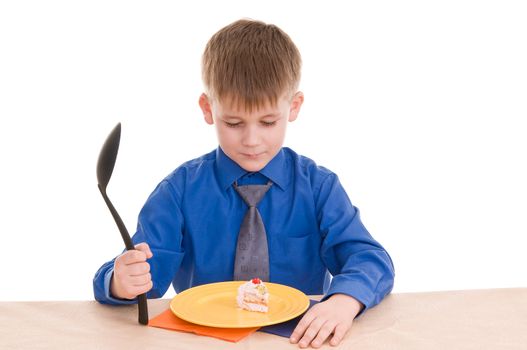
252, 194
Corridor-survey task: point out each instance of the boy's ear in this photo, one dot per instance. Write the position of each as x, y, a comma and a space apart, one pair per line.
296, 103
204, 104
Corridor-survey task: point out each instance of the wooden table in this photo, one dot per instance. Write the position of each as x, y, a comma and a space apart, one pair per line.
470, 319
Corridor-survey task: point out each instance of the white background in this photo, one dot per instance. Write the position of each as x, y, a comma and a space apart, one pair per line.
419, 106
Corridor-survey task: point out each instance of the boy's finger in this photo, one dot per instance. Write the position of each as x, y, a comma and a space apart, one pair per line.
138, 269
339, 333
139, 281
145, 248
132, 257
323, 334
301, 327
311, 332
136, 290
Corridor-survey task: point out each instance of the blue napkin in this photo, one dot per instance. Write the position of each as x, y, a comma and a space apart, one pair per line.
285, 329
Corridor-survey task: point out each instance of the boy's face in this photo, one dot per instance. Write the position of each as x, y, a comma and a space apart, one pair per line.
251, 139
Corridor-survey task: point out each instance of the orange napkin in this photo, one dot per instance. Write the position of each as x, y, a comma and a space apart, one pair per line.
168, 320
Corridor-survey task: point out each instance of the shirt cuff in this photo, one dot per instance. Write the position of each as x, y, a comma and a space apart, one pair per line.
107, 280
352, 288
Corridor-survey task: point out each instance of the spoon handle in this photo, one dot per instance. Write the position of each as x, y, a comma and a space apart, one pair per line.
124, 232
141, 299
143, 309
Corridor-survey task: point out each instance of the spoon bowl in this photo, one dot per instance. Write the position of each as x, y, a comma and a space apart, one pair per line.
108, 156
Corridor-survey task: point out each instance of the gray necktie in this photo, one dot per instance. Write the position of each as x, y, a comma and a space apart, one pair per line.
252, 255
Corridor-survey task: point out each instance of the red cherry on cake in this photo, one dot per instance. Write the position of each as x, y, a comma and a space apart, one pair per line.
256, 281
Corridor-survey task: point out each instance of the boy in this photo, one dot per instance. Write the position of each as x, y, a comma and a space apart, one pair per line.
304, 227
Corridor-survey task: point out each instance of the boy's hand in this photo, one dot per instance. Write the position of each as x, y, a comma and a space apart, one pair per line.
131, 273
333, 316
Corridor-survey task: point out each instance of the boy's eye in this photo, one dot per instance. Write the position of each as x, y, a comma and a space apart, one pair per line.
268, 123
233, 125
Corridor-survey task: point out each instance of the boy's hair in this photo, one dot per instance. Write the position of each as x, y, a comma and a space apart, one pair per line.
248, 63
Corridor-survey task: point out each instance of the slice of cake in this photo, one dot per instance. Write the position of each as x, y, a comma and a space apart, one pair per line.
253, 296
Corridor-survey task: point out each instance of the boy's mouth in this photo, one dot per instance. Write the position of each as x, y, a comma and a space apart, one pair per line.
252, 155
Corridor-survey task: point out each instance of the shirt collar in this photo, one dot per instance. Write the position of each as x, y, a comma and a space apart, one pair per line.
277, 170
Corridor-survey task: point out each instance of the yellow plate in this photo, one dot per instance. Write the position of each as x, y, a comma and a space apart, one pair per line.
214, 305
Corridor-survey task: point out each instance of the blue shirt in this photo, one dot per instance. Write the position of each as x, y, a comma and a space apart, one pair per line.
192, 219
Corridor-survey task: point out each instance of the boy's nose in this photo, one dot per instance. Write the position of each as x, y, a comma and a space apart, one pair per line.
250, 137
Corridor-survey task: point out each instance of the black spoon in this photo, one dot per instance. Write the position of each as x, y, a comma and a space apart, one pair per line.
105, 166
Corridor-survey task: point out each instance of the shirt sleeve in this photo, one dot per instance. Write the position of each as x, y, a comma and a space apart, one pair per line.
360, 266
160, 225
